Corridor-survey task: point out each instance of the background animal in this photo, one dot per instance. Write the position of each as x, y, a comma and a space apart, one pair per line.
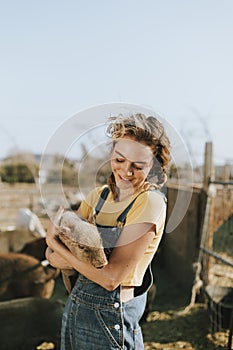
27, 220
27, 227
25, 323
36, 248
14, 240
22, 275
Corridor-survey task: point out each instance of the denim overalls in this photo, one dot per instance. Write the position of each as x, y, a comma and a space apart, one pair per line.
96, 319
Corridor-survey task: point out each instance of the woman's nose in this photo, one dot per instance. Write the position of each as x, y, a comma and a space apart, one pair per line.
129, 170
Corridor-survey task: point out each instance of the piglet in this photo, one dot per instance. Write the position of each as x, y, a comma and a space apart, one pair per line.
82, 239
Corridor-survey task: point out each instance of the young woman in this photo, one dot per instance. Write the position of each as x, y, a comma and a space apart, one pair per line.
105, 305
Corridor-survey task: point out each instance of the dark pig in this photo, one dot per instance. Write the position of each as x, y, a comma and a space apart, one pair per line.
27, 322
23, 276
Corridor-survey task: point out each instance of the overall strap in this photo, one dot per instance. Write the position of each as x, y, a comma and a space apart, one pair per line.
103, 196
122, 217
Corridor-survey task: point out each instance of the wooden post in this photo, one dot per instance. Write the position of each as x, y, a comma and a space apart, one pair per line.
207, 235
208, 171
226, 172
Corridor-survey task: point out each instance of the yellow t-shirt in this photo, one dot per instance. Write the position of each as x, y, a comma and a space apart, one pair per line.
149, 207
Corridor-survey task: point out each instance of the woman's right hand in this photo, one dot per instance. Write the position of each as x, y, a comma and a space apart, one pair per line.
56, 260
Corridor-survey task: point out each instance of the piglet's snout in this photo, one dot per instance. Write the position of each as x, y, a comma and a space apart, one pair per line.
99, 263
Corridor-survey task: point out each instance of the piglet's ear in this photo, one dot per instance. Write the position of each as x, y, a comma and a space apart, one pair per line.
57, 218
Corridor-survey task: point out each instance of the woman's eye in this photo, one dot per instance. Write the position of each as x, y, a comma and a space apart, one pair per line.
119, 160
138, 168
83, 247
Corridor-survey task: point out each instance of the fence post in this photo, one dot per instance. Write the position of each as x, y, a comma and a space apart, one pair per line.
208, 173
207, 205
226, 172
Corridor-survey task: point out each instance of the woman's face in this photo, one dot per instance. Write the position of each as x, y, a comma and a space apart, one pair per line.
131, 162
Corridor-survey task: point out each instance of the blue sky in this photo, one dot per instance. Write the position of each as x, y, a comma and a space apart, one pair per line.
60, 57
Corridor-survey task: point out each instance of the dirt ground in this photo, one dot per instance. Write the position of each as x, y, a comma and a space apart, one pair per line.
167, 328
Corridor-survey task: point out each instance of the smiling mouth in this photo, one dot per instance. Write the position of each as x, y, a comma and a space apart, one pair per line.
124, 179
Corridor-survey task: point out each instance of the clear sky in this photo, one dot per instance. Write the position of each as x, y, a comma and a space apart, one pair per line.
174, 56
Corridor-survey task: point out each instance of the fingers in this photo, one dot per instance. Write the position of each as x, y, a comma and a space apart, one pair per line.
56, 260
48, 253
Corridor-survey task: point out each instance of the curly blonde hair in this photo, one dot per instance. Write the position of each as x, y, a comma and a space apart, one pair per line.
149, 131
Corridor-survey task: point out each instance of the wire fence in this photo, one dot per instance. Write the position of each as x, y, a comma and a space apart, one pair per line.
216, 256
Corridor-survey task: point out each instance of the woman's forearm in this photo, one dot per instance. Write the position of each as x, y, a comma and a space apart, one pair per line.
103, 276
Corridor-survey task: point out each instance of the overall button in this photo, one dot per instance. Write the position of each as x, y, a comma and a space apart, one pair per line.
117, 327
116, 305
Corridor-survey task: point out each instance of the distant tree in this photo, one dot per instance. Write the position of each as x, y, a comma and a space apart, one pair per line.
103, 174
19, 167
64, 170
94, 167
18, 172
79, 173
173, 171
69, 173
